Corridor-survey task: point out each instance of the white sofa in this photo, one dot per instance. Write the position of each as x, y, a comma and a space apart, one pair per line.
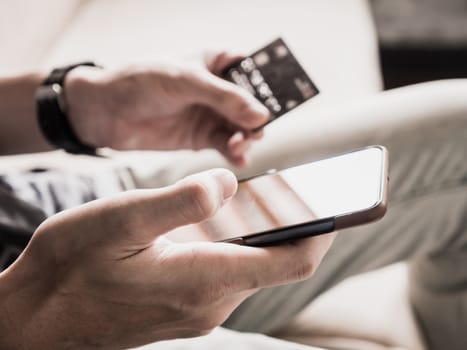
335, 41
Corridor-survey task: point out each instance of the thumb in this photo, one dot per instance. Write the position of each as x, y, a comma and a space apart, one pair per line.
230, 101
150, 213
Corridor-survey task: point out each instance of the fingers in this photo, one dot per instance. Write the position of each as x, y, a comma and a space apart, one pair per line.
219, 139
230, 101
232, 145
237, 146
145, 214
264, 267
233, 268
216, 62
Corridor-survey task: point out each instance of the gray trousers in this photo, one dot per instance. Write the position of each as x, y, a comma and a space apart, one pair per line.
426, 225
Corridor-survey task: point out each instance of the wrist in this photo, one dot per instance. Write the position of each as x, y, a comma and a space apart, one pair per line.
86, 104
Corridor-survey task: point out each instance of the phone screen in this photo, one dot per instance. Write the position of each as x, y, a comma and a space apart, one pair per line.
327, 188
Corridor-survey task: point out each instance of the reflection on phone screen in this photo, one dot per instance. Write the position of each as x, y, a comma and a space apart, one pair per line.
318, 190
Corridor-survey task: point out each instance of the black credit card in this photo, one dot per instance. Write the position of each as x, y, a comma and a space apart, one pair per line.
274, 76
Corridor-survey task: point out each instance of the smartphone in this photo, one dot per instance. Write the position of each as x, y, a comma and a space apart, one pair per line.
303, 201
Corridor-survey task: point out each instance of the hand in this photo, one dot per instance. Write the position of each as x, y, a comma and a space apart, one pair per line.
104, 276
165, 106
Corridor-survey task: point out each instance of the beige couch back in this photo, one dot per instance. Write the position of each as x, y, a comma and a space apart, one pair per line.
28, 28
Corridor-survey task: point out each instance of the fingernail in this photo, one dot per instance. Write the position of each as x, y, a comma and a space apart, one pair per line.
227, 180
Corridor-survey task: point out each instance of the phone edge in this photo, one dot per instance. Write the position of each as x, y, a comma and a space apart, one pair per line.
325, 225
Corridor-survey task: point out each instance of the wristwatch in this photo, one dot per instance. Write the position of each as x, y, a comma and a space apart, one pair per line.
52, 113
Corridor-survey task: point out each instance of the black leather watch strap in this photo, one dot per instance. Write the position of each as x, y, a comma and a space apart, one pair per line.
52, 114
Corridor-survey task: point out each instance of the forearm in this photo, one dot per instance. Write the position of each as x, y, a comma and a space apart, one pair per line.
19, 127
19, 130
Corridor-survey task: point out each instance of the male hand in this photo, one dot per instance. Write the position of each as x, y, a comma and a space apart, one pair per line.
104, 276
165, 106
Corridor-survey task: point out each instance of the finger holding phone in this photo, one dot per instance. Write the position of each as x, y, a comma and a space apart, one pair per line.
105, 274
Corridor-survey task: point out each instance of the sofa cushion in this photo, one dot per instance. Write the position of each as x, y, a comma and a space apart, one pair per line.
370, 311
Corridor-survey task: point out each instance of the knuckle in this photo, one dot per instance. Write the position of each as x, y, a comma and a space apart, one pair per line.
197, 202
243, 104
304, 270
